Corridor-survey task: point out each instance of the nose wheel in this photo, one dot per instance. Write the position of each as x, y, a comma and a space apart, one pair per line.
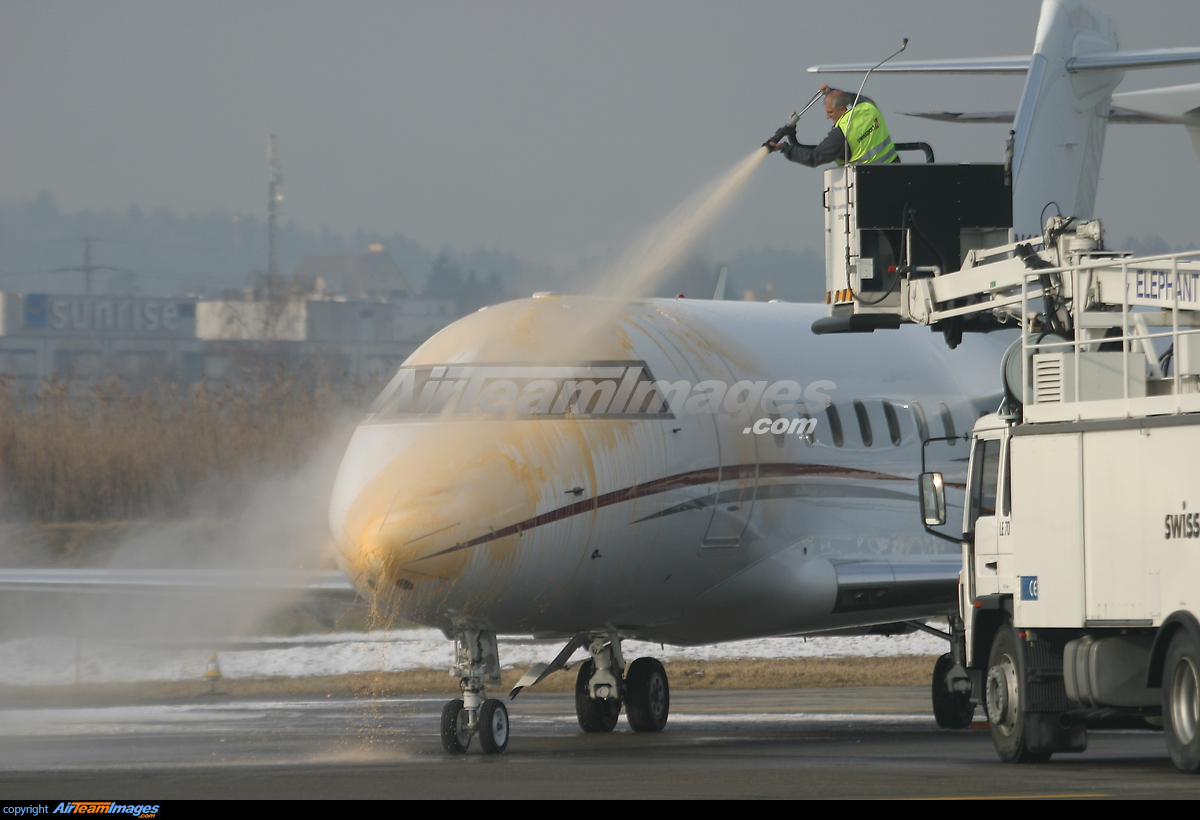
491, 724
493, 727
456, 730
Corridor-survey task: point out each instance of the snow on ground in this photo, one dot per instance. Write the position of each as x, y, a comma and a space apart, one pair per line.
39, 661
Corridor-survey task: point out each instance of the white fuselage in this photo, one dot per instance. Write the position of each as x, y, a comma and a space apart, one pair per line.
679, 526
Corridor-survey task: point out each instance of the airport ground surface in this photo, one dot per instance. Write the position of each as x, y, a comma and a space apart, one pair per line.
866, 742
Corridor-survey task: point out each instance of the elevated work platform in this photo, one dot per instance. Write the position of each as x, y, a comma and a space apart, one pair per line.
1103, 335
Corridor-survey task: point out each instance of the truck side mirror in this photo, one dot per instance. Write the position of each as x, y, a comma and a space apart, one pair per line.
933, 499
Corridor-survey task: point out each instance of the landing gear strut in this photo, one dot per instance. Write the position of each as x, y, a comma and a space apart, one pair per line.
598, 685
477, 664
596, 715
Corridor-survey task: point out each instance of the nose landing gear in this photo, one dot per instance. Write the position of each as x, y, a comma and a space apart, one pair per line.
477, 665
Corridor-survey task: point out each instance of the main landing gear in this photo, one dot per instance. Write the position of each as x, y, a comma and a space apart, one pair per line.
477, 664
600, 689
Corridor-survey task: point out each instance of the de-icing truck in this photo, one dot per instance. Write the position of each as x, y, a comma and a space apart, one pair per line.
1080, 585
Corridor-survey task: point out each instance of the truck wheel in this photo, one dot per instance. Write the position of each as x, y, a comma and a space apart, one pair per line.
1004, 689
1181, 702
952, 710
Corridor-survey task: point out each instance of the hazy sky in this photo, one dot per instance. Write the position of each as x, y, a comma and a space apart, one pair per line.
556, 130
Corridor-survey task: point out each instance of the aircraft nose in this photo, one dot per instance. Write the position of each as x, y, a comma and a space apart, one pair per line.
419, 500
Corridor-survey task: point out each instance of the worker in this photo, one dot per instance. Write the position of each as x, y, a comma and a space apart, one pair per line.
859, 134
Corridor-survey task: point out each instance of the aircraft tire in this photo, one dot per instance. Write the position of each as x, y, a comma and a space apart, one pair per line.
951, 710
493, 727
1181, 702
1005, 687
647, 695
596, 715
456, 738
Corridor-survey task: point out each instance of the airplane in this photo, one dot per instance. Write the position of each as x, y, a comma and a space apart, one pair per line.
650, 521
471, 501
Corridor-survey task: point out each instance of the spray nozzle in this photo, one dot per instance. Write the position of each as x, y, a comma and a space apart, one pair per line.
788, 129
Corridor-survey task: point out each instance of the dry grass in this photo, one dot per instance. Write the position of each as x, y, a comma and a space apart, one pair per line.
745, 674
99, 452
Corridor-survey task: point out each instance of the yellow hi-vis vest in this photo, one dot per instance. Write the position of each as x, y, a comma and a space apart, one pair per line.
867, 135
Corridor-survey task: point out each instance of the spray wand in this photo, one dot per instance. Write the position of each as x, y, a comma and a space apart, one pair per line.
789, 127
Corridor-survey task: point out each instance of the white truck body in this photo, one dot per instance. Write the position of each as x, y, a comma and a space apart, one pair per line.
1080, 587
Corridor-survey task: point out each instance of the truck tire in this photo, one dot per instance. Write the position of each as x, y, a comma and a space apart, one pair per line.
951, 710
1181, 701
1004, 687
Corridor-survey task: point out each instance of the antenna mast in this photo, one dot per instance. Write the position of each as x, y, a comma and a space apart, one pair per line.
274, 180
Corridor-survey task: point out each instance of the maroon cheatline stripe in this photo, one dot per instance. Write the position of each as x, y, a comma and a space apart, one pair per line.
662, 485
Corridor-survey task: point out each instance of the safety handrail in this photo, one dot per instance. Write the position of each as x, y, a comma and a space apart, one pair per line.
916, 146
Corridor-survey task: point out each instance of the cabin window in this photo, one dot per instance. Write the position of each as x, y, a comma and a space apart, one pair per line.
864, 423
922, 425
835, 425
893, 423
810, 433
947, 423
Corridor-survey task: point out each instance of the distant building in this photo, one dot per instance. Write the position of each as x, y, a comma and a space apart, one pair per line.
89, 336
185, 339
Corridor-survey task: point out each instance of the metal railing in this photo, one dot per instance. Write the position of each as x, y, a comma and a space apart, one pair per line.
1133, 328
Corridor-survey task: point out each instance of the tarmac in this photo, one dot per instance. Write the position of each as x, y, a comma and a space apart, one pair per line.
867, 742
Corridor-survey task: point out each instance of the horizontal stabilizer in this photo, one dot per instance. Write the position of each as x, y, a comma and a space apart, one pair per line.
966, 65
1104, 61
1176, 103
1128, 60
1121, 116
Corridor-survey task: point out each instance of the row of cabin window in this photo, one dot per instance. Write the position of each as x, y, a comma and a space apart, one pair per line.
893, 423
